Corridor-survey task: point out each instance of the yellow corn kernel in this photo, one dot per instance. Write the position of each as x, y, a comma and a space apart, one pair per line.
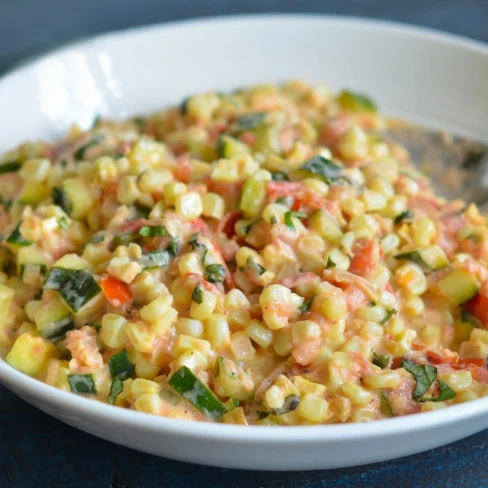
395, 205
429, 406
325, 225
352, 207
340, 407
278, 303
157, 308
35, 170
225, 171
381, 185
274, 211
259, 334
282, 342
313, 408
190, 327
217, 332
123, 269
189, 206
106, 170
459, 381
305, 330
147, 366
465, 396
338, 258
213, 205
274, 397
127, 190
382, 380
152, 181
354, 144
364, 226
241, 347
203, 310
149, 403
373, 201
185, 343
172, 191
112, 331
389, 243
306, 386
374, 313
161, 325
236, 300
140, 386
190, 263
411, 277
31, 308
140, 335
334, 308
357, 394
192, 359
404, 341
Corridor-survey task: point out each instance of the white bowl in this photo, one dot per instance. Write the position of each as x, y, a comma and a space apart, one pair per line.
416, 74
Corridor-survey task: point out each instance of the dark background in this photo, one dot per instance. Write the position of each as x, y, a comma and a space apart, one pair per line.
38, 451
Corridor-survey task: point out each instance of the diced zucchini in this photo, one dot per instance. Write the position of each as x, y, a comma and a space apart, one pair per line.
30, 354
232, 381
121, 366
72, 261
155, 259
459, 286
28, 256
10, 167
253, 197
429, 258
267, 139
76, 198
33, 193
77, 287
197, 393
228, 146
83, 384
54, 319
16, 239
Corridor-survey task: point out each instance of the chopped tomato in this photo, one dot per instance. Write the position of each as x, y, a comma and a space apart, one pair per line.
478, 306
182, 171
442, 356
228, 222
366, 254
116, 291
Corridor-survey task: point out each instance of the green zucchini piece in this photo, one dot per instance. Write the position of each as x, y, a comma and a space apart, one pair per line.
327, 169
120, 365
459, 286
30, 256
232, 381
82, 384
74, 198
429, 258
116, 388
249, 121
355, 102
54, 319
77, 287
252, 197
155, 259
228, 146
192, 389
10, 167
16, 239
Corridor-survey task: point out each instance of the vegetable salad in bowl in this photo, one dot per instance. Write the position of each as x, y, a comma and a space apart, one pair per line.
261, 257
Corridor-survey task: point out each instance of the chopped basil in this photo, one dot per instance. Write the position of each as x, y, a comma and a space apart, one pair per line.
141, 211
152, 231
290, 404
196, 295
116, 389
215, 273
385, 407
327, 169
197, 393
251, 264
288, 218
389, 315
63, 223
82, 383
280, 176
193, 242
174, 246
425, 375
120, 365
356, 102
330, 263
408, 214
249, 121
59, 198
80, 153
381, 360
306, 306
10, 167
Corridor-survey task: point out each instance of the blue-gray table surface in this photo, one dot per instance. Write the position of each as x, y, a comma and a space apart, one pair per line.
39, 451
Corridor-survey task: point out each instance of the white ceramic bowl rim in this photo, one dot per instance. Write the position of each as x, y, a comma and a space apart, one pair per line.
211, 431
